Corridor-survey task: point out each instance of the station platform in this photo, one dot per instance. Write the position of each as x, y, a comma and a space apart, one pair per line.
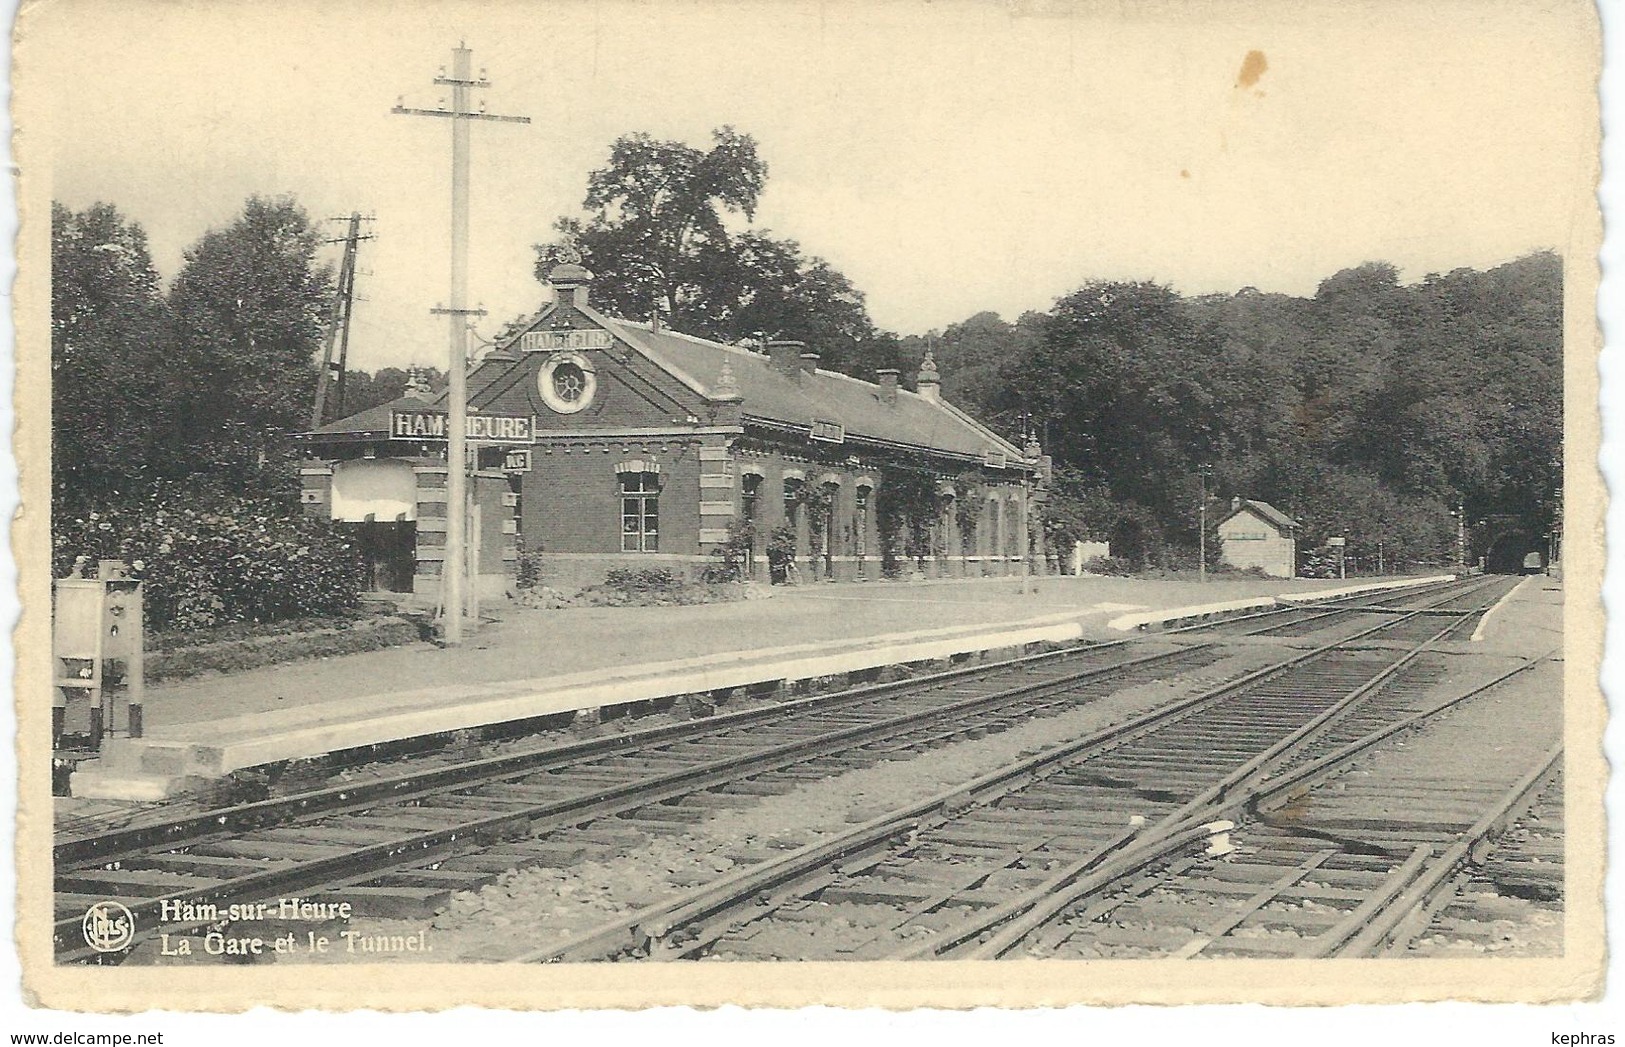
534, 663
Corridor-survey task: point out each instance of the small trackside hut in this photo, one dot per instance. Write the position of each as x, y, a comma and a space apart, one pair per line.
628, 445
1256, 534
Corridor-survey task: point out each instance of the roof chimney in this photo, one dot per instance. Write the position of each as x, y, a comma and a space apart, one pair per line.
888, 385
809, 363
1235, 503
929, 382
570, 280
786, 356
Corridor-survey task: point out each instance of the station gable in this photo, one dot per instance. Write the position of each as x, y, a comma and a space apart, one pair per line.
572, 372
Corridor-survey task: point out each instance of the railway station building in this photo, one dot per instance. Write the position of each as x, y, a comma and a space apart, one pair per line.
605, 443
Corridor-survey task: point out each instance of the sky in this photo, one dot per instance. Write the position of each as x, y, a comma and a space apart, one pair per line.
948, 158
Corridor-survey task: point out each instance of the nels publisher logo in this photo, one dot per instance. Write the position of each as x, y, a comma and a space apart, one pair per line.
109, 927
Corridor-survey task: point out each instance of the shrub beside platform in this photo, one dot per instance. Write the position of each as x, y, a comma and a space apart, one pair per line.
241, 647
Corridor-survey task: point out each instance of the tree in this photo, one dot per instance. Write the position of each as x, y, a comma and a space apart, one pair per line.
667, 230
656, 231
979, 359
248, 307
114, 384
1118, 387
363, 390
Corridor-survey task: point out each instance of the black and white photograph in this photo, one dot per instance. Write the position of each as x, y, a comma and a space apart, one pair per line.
600, 503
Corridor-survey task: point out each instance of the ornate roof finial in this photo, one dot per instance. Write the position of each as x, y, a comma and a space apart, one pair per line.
417, 385
928, 366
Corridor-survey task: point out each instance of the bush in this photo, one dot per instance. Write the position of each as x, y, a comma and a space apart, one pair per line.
651, 580
654, 587
528, 571
239, 560
1227, 570
731, 555
1116, 566
1318, 563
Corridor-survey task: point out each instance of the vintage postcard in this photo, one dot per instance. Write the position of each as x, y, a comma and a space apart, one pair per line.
611, 504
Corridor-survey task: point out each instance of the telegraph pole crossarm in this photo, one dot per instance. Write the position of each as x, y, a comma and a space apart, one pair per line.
402, 110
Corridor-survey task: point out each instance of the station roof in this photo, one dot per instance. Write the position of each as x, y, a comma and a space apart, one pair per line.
1265, 510
373, 423
770, 395
767, 395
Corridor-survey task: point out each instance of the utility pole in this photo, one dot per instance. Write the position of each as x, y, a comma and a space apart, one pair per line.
454, 568
1461, 535
1201, 528
338, 327
1029, 445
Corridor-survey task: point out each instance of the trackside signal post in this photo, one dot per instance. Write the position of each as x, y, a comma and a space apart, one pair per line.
98, 643
453, 569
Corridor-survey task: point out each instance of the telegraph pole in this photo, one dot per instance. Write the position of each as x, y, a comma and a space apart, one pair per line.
453, 568
1461, 534
1201, 527
338, 327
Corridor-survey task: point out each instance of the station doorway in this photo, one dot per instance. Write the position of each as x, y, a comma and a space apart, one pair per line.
388, 551
375, 503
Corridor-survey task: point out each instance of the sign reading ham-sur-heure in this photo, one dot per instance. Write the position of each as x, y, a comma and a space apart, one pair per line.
487, 428
560, 341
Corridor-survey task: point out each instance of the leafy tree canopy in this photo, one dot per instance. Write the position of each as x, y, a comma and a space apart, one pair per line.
249, 306
115, 393
667, 230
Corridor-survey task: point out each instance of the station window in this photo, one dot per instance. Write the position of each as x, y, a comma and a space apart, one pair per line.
640, 512
569, 382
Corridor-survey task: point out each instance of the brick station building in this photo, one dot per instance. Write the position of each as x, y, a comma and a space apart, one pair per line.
609, 443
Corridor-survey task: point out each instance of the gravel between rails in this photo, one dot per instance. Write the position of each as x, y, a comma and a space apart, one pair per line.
528, 908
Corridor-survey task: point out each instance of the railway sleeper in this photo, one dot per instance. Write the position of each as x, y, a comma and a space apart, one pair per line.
274, 849
496, 865
137, 883
759, 787
451, 879
200, 864
390, 903
902, 897
320, 833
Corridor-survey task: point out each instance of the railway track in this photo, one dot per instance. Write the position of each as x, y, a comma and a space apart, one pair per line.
1510, 896
1348, 883
1037, 825
419, 835
401, 845
1305, 619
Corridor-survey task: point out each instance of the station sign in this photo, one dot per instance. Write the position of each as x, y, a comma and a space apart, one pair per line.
993, 459
485, 428
1337, 543
564, 341
516, 460
827, 432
